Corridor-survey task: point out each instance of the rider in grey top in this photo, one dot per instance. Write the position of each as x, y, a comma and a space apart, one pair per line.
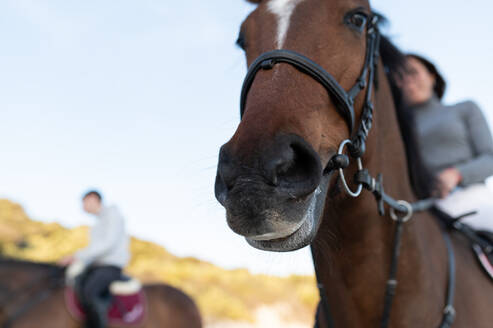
95, 267
455, 136
109, 243
455, 143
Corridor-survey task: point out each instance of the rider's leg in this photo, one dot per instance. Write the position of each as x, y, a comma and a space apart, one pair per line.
476, 197
95, 289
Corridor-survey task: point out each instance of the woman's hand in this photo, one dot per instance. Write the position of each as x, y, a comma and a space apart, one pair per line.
65, 261
448, 179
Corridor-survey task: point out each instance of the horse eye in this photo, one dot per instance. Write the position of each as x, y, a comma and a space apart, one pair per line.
358, 20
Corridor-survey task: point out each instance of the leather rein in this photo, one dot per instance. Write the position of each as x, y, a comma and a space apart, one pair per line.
400, 211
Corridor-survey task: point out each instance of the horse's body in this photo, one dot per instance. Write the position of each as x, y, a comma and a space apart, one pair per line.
32, 295
266, 173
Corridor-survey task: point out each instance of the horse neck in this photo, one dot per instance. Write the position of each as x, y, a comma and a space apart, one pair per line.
17, 276
353, 247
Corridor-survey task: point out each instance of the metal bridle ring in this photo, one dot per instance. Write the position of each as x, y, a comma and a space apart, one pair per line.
406, 217
341, 172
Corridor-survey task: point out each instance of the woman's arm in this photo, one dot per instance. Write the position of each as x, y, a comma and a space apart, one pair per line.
481, 166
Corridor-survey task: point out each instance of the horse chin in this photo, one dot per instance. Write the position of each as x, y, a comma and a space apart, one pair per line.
301, 235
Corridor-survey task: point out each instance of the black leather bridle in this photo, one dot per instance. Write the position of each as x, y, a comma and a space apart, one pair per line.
344, 102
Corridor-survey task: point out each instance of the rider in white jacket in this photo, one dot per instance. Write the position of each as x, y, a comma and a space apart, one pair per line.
95, 267
108, 241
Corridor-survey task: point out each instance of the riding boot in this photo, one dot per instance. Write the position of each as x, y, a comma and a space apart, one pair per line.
96, 315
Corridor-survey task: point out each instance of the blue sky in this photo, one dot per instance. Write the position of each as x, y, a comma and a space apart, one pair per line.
136, 97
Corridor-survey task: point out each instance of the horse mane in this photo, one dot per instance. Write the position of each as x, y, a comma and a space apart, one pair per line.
422, 180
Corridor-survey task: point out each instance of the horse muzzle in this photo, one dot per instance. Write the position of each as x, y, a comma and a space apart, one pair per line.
277, 203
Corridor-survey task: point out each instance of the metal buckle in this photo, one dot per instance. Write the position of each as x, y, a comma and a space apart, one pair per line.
406, 217
450, 310
341, 172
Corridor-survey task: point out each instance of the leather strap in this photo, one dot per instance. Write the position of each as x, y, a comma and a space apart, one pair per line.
266, 61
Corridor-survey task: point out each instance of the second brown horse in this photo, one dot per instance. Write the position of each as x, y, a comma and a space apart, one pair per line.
32, 295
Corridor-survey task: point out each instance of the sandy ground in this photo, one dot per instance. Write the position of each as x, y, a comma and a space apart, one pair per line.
266, 317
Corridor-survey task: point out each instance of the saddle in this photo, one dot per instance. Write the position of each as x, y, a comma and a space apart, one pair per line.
127, 303
481, 242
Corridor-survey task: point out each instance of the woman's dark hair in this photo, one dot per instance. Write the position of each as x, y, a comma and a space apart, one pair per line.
440, 84
422, 179
94, 193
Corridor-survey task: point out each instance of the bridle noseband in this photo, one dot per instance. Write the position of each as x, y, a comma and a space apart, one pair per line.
344, 102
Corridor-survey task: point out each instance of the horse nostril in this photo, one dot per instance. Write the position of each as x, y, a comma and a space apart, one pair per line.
294, 166
220, 190
279, 165
225, 177
289, 165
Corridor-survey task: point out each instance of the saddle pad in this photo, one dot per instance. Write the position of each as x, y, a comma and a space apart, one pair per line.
124, 310
125, 287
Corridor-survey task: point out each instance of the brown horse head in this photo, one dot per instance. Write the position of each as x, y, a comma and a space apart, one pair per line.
270, 174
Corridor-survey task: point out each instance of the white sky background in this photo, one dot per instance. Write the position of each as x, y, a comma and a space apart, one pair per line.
136, 97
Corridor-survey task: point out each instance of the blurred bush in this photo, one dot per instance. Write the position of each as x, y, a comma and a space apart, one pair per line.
221, 294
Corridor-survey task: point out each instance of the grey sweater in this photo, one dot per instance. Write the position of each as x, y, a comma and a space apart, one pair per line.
455, 136
109, 243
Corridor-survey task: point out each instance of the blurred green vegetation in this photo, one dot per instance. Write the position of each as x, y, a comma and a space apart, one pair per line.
221, 294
